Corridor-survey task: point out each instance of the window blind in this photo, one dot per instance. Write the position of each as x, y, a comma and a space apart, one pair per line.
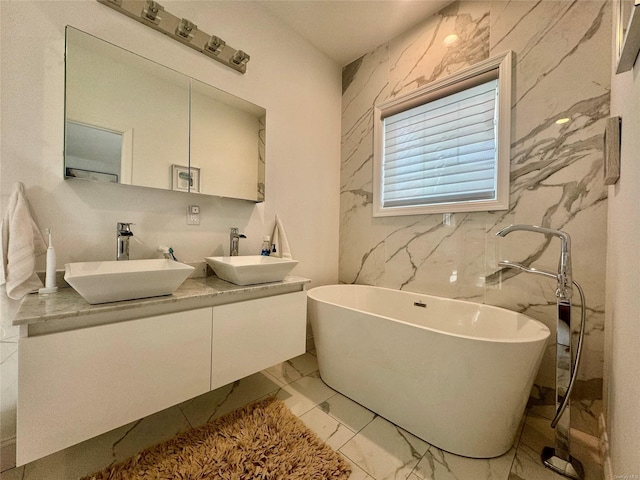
442, 151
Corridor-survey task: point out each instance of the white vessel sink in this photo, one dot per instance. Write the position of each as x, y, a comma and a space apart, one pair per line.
111, 281
251, 269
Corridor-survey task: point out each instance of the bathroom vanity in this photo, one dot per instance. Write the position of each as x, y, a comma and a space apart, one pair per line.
87, 369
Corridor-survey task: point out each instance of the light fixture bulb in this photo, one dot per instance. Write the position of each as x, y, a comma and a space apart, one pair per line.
152, 11
450, 39
560, 121
186, 29
215, 45
240, 58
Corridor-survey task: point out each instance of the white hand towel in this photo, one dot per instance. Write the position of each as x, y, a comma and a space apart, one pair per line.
21, 242
279, 239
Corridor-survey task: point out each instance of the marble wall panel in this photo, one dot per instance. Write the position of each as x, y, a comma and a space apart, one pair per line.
561, 69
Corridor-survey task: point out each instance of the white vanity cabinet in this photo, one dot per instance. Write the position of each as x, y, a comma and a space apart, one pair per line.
256, 334
78, 384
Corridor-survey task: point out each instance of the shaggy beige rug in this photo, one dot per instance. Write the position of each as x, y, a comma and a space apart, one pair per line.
263, 440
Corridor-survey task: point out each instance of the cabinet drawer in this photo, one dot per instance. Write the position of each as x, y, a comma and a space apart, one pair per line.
78, 384
256, 334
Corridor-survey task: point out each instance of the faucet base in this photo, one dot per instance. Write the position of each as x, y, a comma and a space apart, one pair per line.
570, 469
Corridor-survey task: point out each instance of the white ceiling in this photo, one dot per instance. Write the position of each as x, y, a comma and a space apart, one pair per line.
347, 29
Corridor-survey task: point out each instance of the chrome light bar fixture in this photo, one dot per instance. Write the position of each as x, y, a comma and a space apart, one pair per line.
152, 14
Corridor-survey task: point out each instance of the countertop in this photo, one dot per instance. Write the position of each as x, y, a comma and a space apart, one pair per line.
67, 310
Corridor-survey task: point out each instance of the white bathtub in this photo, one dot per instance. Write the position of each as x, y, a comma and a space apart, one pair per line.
456, 374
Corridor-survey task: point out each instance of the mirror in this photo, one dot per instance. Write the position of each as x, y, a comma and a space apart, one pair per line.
627, 35
132, 121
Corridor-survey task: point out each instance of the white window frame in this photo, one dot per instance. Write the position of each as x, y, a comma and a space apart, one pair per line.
434, 90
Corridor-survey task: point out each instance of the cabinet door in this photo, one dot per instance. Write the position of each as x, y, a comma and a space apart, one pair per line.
78, 384
251, 336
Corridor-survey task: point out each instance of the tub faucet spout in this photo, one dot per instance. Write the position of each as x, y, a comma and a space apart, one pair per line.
565, 280
559, 458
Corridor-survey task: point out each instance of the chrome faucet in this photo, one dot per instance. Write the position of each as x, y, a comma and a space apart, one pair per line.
564, 276
234, 240
123, 235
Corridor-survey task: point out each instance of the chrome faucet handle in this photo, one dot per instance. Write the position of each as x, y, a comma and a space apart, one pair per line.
123, 235
234, 240
235, 233
124, 229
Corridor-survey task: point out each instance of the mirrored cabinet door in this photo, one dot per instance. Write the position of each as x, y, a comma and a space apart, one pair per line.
128, 121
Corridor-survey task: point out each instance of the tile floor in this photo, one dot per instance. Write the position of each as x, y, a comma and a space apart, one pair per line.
376, 449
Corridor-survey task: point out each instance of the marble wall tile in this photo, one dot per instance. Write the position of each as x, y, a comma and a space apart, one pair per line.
419, 56
364, 82
561, 69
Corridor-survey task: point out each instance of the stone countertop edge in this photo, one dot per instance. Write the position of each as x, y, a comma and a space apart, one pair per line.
66, 302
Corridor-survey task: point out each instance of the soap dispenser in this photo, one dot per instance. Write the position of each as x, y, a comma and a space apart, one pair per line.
266, 246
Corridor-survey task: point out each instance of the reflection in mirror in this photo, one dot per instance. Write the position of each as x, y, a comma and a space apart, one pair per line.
109, 88
225, 142
93, 152
127, 121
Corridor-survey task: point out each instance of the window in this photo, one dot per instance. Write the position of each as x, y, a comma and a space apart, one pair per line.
446, 146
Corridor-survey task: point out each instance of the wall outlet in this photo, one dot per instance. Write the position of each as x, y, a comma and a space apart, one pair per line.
193, 215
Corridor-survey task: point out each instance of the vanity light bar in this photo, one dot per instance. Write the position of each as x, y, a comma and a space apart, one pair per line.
152, 14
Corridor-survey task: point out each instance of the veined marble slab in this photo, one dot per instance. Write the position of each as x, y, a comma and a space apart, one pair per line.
66, 309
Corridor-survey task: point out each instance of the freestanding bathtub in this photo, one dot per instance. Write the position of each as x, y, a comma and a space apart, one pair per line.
456, 374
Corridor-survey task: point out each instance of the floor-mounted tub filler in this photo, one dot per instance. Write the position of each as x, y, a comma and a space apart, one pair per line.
558, 458
456, 374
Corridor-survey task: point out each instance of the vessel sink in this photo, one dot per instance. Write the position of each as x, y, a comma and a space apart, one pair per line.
112, 281
251, 269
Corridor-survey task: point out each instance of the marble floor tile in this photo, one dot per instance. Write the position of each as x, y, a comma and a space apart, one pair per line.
112, 447
150, 430
305, 394
374, 447
328, 429
349, 413
294, 369
385, 451
356, 472
208, 406
527, 466
537, 434
440, 465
